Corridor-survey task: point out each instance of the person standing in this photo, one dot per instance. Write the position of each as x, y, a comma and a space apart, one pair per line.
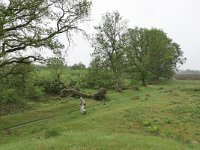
82, 105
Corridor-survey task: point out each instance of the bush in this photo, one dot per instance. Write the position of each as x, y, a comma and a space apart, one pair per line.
34, 92
100, 94
9, 96
98, 77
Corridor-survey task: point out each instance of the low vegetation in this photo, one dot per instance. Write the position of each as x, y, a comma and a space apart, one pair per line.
157, 116
187, 76
132, 103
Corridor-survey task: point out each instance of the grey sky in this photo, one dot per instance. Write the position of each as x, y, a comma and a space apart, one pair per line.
180, 19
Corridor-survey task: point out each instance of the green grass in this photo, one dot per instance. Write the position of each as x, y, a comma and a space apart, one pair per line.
165, 116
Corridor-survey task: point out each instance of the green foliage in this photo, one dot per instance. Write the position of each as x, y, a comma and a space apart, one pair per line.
75, 78
48, 78
17, 77
107, 43
34, 92
41, 22
20, 85
9, 96
56, 66
14, 86
151, 55
99, 77
68, 78
147, 55
78, 66
108, 122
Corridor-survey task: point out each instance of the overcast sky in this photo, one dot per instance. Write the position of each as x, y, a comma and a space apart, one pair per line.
180, 19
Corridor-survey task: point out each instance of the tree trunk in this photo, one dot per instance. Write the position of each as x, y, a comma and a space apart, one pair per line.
143, 82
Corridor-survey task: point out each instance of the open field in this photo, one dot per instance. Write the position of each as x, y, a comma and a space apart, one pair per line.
163, 117
187, 76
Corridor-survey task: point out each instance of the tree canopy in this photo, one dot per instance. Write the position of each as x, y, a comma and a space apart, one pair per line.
107, 44
151, 54
36, 24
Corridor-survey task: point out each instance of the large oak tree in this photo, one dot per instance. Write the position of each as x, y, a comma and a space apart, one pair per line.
36, 25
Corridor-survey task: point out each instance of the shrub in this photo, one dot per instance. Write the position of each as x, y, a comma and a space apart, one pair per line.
34, 92
100, 94
9, 96
98, 77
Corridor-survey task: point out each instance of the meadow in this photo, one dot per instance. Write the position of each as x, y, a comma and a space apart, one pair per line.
190, 76
164, 116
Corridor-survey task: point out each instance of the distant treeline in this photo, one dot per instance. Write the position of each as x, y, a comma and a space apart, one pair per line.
188, 71
187, 76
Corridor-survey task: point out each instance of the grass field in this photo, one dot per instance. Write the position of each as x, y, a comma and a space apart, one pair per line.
187, 76
163, 117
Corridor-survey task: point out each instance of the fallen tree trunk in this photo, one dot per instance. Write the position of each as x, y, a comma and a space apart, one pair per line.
73, 93
99, 95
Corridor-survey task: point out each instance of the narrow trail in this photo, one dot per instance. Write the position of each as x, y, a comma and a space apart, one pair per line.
45, 118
